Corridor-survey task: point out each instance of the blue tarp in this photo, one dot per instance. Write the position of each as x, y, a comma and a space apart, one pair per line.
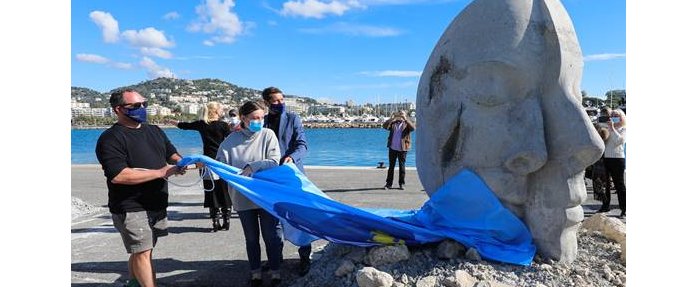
464, 209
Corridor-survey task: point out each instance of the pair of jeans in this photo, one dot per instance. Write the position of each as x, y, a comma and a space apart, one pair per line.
252, 221
401, 157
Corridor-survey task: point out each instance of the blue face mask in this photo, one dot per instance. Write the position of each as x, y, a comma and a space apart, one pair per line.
256, 126
139, 115
277, 108
615, 120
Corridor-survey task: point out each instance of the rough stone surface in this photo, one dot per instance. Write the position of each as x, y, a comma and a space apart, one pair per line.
80, 208
346, 267
473, 255
449, 249
499, 74
371, 277
598, 264
429, 281
388, 254
609, 227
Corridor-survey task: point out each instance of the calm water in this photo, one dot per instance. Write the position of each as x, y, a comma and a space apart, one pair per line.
329, 147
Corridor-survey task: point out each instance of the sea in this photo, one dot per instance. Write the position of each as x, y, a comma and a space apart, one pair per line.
326, 147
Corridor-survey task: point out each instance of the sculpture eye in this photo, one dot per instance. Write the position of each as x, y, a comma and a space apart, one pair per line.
491, 84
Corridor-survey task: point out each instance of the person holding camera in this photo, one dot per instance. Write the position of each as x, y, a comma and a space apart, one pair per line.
614, 159
399, 142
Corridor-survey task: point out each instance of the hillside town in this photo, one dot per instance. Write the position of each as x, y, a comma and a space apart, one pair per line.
184, 98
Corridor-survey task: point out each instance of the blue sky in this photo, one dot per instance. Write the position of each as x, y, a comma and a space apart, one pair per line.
334, 50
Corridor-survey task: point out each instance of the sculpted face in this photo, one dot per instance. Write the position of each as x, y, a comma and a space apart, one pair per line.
500, 95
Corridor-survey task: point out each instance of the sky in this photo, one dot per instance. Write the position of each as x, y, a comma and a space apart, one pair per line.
367, 51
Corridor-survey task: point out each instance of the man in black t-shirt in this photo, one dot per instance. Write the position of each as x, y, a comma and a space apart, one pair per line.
136, 158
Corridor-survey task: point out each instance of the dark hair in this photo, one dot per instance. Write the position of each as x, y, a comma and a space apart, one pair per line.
117, 98
249, 107
266, 94
231, 113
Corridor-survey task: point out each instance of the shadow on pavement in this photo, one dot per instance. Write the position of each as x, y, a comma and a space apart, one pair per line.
193, 273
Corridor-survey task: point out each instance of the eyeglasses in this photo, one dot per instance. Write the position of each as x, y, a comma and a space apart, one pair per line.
133, 106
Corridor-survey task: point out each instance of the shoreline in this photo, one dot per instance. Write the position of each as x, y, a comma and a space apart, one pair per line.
306, 125
312, 167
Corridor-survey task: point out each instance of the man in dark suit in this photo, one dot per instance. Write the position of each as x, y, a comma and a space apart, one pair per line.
289, 130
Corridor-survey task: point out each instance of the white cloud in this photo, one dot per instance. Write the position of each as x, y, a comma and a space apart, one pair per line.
171, 16
109, 25
217, 18
155, 70
603, 57
147, 38
318, 9
92, 58
157, 52
120, 65
393, 73
97, 59
354, 30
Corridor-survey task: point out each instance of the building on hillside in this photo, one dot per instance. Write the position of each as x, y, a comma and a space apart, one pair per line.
326, 110
292, 104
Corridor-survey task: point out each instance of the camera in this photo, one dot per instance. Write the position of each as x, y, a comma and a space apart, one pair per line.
603, 119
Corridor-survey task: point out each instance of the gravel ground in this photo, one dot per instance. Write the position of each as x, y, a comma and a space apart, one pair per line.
598, 264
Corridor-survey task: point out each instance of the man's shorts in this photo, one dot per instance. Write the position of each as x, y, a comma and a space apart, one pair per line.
140, 229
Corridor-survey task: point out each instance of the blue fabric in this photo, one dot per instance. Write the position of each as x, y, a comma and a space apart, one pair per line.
464, 209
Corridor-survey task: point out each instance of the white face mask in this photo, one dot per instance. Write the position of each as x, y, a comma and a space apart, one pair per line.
234, 120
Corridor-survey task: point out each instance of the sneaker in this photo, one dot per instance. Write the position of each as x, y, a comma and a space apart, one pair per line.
132, 283
304, 266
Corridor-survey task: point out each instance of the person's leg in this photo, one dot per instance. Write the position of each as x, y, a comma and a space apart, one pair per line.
142, 268
304, 255
273, 240
402, 157
392, 156
606, 204
617, 168
250, 227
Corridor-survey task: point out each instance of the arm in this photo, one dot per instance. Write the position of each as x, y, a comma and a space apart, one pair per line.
386, 124
410, 125
131, 176
619, 137
298, 146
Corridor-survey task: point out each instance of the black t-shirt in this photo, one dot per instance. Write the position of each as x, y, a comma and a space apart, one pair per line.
212, 134
147, 147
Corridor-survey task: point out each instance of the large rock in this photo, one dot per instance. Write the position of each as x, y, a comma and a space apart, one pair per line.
500, 96
611, 228
388, 254
372, 277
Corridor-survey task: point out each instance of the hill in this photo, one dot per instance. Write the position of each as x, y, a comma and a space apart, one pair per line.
161, 90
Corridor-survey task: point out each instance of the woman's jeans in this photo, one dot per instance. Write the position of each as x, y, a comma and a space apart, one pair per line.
271, 232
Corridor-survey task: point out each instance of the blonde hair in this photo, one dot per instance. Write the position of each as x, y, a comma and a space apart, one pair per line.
210, 112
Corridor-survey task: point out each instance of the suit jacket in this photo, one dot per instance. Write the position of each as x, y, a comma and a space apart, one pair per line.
405, 139
291, 138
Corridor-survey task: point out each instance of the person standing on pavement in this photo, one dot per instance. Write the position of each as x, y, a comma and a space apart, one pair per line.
614, 160
288, 128
254, 149
212, 130
399, 142
137, 158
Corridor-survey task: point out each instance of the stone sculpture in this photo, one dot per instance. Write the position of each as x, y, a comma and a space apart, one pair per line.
500, 95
